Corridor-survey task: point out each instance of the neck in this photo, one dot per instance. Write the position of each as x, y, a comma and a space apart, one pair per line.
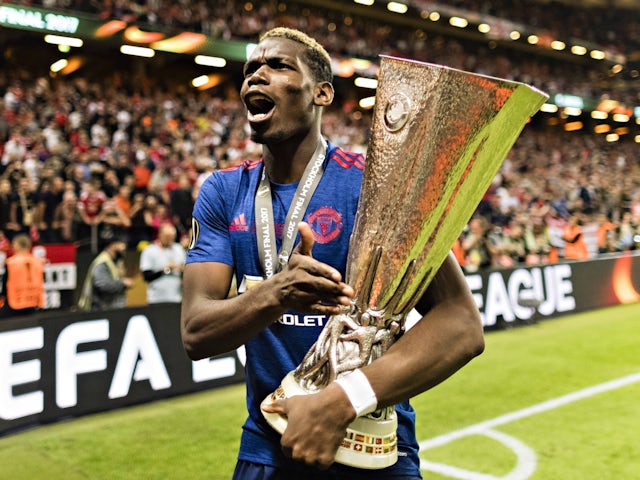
285, 162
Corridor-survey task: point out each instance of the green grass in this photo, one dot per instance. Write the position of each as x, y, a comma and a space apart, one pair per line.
196, 436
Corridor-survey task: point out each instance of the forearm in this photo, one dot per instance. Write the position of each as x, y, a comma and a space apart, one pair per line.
212, 326
446, 339
448, 336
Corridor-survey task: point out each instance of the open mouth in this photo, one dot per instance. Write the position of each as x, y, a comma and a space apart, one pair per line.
259, 107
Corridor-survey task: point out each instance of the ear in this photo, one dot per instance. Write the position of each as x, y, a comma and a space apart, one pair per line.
323, 94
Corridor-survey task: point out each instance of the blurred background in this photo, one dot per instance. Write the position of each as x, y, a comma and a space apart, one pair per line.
137, 102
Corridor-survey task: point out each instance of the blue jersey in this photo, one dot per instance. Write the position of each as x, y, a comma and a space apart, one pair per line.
224, 217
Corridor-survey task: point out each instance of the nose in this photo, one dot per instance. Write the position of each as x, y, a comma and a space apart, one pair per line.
258, 76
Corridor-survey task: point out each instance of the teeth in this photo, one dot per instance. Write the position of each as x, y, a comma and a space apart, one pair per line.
259, 116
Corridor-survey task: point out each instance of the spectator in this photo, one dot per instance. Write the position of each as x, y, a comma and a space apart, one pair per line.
513, 245
575, 247
112, 222
105, 285
48, 200
625, 232
606, 230
161, 264
24, 279
538, 244
123, 199
66, 218
182, 204
5, 195
22, 208
90, 205
140, 232
478, 250
142, 175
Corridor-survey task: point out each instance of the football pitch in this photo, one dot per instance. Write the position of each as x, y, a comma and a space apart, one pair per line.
559, 399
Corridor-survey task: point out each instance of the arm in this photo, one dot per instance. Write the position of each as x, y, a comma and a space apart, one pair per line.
213, 324
447, 337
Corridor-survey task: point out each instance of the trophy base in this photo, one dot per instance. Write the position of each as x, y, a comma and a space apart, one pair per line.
371, 441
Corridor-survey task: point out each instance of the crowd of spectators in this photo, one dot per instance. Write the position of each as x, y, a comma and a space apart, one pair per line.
84, 161
351, 35
79, 163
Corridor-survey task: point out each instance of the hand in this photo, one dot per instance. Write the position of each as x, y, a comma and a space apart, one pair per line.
309, 285
317, 423
128, 282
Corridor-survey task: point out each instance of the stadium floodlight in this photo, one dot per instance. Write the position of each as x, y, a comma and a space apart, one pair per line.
137, 51
514, 35
434, 16
578, 50
484, 28
621, 118
558, 45
397, 7
602, 128
533, 39
367, 102
617, 68
458, 22
549, 108
364, 82
60, 40
364, 2
573, 126
599, 115
200, 81
637, 138
210, 61
612, 137
59, 65
597, 54
573, 111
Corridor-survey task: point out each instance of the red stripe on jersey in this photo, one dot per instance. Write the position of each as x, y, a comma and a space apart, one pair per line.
348, 160
247, 165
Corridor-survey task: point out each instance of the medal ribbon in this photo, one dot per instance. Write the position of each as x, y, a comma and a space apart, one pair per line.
272, 261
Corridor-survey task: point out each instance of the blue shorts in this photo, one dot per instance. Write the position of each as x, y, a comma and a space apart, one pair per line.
255, 471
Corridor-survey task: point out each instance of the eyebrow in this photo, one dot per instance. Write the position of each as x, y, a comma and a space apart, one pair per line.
262, 59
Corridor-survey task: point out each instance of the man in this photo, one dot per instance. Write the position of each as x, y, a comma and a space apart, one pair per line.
287, 83
24, 278
161, 264
105, 286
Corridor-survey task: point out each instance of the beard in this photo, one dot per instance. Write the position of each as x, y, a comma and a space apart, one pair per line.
264, 137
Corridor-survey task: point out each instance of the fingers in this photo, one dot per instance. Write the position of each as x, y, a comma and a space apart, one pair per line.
310, 285
312, 436
277, 406
306, 239
305, 248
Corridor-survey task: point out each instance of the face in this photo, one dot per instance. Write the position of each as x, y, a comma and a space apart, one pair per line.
280, 92
119, 249
167, 236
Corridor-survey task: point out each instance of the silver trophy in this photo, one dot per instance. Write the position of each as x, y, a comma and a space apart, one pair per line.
438, 138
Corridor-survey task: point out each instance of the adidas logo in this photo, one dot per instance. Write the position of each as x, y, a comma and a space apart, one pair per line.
239, 224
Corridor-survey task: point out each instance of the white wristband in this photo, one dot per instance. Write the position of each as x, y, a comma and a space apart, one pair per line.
358, 389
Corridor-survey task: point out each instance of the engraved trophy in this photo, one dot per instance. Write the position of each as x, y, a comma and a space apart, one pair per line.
439, 136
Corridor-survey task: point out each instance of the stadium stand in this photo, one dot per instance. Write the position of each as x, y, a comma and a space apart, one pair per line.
70, 145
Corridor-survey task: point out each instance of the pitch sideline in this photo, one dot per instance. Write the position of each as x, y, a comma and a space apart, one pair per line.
526, 456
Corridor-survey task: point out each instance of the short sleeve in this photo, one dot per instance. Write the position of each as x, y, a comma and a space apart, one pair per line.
210, 226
